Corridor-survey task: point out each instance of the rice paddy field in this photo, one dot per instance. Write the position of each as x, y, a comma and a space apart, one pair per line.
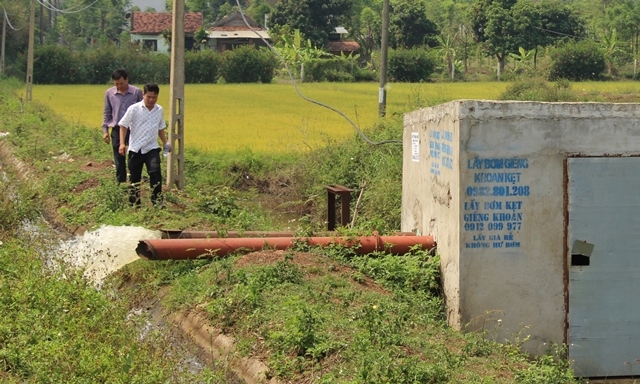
274, 118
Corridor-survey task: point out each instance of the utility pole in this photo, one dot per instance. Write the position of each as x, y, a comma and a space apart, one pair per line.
32, 27
41, 19
4, 34
175, 166
384, 48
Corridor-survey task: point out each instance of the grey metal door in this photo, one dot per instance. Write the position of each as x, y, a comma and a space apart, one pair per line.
604, 266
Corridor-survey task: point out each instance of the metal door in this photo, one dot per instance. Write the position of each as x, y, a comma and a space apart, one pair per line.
604, 266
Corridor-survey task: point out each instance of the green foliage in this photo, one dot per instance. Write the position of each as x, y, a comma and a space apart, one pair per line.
16, 206
409, 26
353, 163
201, 67
552, 367
412, 272
301, 333
248, 65
316, 19
539, 90
219, 202
334, 69
58, 328
411, 65
58, 65
579, 61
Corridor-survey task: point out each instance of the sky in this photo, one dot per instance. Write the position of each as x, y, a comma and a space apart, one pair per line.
159, 5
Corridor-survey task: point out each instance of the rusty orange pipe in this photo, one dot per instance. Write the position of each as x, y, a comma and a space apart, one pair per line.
187, 234
183, 249
179, 234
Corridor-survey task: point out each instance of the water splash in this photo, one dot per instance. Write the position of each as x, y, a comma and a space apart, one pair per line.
105, 250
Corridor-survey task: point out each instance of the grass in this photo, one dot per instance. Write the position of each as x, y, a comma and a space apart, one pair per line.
311, 314
267, 118
273, 118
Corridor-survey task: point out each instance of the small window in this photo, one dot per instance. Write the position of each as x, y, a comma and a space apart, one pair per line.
151, 45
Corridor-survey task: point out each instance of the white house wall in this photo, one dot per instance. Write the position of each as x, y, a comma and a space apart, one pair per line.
162, 46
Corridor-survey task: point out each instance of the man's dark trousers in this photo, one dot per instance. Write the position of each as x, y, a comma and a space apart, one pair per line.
151, 160
118, 159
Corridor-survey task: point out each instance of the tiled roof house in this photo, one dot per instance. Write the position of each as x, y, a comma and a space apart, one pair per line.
147, 27
231, 31
338, 45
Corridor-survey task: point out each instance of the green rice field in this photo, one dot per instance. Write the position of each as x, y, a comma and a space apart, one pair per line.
274, 118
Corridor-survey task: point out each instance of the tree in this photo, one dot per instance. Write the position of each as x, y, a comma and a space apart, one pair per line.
370, 30
498, 28
624, 16
296, 52
102, 21
258, 9
201, 39
316, 19
17, 35
560, 23
448, 53
610, 49
409, 25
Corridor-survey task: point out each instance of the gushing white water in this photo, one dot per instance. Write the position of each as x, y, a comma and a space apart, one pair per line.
105, 250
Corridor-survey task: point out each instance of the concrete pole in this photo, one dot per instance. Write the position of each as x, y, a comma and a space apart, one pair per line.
32, 27
4, 34
41, 19
384, 48
175, 164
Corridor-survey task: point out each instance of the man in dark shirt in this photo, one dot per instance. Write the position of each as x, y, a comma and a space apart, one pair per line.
117, 100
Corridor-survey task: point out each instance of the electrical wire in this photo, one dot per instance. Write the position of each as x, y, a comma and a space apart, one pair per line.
6, 17
52, 8
293, 81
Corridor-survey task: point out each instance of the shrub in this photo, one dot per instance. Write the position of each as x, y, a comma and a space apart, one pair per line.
99, 64
151, 68
201, 67
579, 61
332, 69
539, 90
248, 65
364, 74
56, 65
410, 65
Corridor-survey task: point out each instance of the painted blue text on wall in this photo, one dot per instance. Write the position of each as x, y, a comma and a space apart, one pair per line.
440, 151
493, 207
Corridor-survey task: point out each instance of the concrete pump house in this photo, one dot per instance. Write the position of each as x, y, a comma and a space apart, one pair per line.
536, 211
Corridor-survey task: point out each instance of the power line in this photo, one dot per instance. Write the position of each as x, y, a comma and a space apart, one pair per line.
52, 8
6, 17
293, 81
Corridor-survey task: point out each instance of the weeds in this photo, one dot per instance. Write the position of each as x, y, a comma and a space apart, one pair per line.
315, 316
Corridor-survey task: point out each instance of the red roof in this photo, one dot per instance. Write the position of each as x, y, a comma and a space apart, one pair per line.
154, 23
343, 46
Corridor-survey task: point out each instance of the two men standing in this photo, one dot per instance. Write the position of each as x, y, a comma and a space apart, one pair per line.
117, 100
135, 121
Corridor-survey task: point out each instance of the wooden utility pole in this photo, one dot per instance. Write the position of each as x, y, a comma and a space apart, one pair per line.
4, 34
384, 48
175, 166
32, 28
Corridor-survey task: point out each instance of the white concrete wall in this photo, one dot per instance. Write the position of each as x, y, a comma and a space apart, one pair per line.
163, 47
430, 189
501, 235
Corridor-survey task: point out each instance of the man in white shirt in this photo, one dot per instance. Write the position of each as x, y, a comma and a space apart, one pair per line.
145, 121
